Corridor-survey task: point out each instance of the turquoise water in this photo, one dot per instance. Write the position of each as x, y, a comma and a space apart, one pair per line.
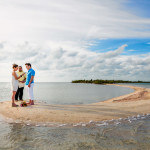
68, 93
132, 133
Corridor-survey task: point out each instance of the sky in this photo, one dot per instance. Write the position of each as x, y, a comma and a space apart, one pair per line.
67, 40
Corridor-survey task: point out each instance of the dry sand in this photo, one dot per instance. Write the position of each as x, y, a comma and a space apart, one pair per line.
135, 103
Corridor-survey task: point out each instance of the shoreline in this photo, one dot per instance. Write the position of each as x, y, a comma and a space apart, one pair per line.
123, 106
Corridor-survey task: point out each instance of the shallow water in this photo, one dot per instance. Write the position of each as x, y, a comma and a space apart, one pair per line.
143, 85
124, 134
132, 133
69, 93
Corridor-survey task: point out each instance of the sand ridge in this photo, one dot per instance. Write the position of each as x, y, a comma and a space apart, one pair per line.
131, 104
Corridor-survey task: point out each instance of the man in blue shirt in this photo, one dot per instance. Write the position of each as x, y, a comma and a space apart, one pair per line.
30, 83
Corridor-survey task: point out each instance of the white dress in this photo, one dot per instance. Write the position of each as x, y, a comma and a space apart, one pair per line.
14, 83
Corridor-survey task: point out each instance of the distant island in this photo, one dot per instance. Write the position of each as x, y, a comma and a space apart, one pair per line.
107, 81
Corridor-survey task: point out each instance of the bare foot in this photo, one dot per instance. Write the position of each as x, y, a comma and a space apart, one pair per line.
14, 105
32, 102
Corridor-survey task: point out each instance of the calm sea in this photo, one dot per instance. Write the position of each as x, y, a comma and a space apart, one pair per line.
132, 133
68, 93
144, 85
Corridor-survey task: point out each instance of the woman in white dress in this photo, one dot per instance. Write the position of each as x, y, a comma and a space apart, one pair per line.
15, 83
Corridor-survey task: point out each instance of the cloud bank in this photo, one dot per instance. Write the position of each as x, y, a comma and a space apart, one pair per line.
66, 64
55, 37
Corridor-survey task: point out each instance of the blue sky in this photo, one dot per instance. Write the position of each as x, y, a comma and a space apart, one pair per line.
138, 7
135, 46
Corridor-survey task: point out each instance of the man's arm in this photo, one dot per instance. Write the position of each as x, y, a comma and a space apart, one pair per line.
32, 77
24, 79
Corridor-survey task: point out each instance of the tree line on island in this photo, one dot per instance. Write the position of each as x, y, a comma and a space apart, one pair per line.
107, 81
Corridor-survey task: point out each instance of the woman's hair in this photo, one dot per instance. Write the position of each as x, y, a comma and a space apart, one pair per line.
14, 66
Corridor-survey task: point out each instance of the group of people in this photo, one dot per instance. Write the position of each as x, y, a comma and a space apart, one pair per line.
20, 80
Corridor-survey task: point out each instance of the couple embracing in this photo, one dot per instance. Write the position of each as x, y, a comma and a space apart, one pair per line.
17, 86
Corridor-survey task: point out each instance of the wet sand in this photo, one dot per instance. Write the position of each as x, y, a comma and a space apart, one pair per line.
131, 104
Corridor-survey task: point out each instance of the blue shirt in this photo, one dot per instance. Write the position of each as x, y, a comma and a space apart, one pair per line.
30, 73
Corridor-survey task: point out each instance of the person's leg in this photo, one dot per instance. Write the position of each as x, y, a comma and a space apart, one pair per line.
21, 93
31, 94
16, 95
28, 94
13, 99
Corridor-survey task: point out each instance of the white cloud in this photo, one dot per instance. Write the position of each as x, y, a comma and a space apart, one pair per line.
62, 20
63, 64
59, 33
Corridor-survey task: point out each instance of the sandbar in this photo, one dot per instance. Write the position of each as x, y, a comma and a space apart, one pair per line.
131, 104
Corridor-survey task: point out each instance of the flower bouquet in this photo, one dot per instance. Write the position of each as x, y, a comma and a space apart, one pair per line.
23, 104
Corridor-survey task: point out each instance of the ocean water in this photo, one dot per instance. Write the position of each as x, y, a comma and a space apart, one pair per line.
132, 133
68, 93
143, 85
